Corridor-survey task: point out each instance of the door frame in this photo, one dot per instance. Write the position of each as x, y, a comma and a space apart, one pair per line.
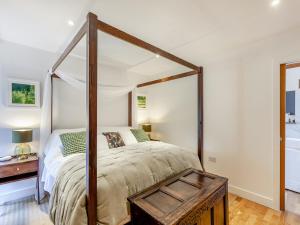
283, 68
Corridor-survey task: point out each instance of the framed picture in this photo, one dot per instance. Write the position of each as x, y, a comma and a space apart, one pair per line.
141, 101
23, 93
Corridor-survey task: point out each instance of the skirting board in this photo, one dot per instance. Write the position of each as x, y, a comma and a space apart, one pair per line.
17, 194
263, 200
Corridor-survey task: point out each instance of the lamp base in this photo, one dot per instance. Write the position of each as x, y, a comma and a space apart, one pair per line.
22, 157
22, 151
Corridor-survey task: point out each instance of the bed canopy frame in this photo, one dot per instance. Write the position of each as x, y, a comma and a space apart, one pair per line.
90, 29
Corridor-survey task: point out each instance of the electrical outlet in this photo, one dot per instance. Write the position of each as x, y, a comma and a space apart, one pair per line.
212, 159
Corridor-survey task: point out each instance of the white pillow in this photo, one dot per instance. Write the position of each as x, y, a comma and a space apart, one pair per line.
102, 144
125, 133
54, 145
128, 137
54, 139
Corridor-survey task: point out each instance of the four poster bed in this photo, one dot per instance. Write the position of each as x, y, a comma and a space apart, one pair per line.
121, 172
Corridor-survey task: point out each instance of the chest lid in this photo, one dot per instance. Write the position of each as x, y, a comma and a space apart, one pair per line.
175, 197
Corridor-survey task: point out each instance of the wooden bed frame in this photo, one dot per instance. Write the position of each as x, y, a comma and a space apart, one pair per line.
90, 29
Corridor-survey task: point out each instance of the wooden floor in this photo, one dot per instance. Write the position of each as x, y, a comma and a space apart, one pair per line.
241, 211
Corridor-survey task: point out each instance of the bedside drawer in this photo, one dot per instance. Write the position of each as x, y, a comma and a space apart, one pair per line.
17, 169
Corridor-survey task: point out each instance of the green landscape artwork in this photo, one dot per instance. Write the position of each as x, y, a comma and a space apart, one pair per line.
141, 102
23, 93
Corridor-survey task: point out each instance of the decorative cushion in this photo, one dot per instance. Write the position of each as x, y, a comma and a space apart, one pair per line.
125, 133
114, 139
73, 143
140, 135
54, 143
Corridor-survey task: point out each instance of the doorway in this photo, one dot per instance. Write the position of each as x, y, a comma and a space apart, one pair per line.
290, 137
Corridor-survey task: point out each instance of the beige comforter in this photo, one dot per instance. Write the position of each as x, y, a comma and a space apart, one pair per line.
121, 173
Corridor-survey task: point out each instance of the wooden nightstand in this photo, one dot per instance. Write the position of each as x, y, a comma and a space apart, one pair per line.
15, 170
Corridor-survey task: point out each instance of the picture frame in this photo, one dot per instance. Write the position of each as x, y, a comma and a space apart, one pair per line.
141, 101
23, 93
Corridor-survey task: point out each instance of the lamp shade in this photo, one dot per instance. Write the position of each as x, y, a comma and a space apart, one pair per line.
147, 127
22, 136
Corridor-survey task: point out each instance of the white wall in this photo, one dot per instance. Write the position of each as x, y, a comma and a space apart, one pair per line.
172, 110
222, 137
17, 61
27, 63
69, 103
241, 116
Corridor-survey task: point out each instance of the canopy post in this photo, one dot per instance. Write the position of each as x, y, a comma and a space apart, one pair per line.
200, 114
91, 107
130, 109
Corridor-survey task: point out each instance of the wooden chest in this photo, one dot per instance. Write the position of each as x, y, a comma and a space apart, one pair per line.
190, 198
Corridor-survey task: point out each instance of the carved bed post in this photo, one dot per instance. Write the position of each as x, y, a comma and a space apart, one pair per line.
130, 109
200, 115
91, 104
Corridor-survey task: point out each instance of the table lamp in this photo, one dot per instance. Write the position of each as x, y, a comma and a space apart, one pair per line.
147, 128
22, 137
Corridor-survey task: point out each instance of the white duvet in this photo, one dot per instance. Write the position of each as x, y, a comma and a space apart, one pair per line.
121, 172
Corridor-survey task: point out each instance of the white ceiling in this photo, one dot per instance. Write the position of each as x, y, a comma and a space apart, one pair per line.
196, 30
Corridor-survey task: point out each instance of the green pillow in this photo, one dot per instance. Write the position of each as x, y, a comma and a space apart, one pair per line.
73, 143
140, 135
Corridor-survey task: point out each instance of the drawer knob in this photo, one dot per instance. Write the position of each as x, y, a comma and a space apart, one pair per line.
18, 168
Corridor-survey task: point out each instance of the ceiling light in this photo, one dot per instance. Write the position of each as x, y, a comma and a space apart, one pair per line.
275, 3
157, 55
70, 23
